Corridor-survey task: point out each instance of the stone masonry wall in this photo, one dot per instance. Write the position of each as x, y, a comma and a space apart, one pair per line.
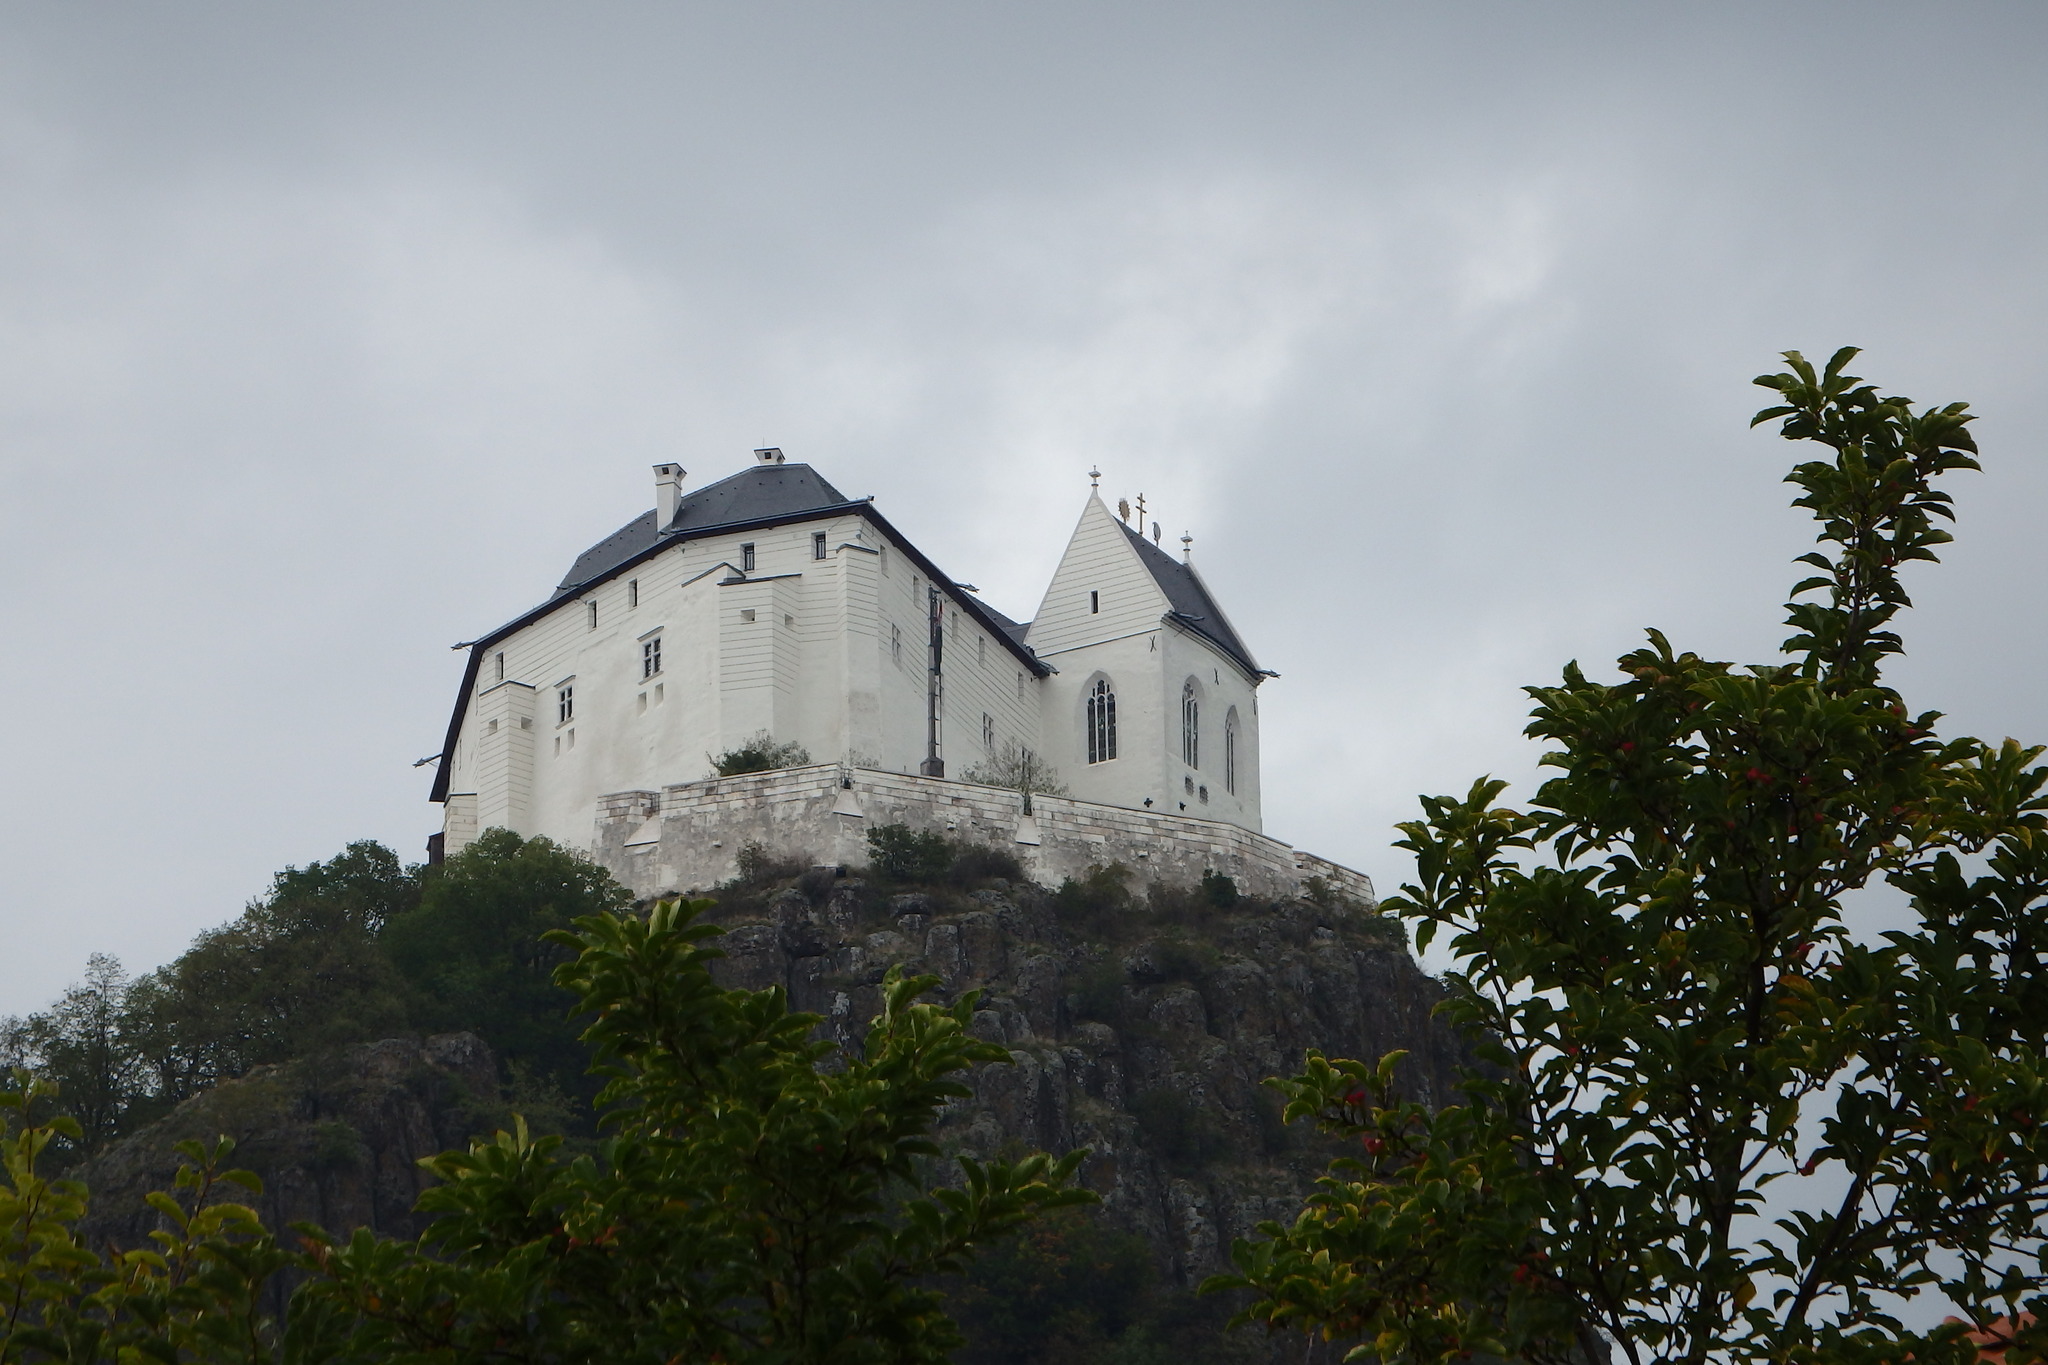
685, 838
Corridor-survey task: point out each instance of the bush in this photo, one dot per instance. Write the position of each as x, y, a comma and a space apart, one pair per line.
974, 863
902, 854
760, 754
1176, 1129
1095, 904
1219, 890
756, 866
1098, 992
1182, 960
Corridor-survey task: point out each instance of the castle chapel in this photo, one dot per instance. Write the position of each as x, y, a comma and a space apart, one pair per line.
769, 603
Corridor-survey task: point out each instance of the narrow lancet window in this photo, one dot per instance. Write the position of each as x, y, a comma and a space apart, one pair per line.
1101, 722
1190, 727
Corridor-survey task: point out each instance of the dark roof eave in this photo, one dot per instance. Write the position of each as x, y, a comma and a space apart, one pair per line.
863, 507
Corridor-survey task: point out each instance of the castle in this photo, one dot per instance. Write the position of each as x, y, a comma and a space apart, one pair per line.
770, 604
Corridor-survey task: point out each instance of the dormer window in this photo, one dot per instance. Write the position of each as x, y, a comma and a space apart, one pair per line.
747, 557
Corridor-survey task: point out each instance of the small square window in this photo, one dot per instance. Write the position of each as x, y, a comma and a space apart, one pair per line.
746, 613
817, 545
650, 657
747, 557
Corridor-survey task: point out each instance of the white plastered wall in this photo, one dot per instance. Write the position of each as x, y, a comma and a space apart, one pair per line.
801, 648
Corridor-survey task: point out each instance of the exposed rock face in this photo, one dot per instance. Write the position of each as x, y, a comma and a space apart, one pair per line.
336, 1140
1144, 1042
1148, 1051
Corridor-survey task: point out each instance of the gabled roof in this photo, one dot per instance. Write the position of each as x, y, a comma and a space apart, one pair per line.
764, 496
1192, 605
756, 494
1016, 630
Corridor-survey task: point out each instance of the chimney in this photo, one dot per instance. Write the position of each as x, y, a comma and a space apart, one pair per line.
668, 492
768, 455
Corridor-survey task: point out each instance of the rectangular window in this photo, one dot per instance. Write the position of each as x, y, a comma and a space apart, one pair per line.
988, 732
1094, 603
591, 607
981, 649
565, 704
632, 592
896, 642
817, 545
501, 665
650, 657
1020, 687
747, 557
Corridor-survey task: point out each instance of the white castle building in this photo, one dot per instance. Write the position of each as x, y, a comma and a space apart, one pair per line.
769, 603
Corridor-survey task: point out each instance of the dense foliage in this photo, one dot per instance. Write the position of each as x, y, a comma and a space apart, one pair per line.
759, 754
1716, 1125
762, 1197
345, 951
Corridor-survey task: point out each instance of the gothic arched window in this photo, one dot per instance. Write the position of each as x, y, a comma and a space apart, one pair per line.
1230, 752
1101, 722
1190, 726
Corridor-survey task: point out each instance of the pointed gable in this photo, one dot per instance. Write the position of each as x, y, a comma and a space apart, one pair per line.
1137, 583
1192, 604
1099, 560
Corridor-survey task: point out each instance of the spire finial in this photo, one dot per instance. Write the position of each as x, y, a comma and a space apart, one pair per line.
1123, 511
1141, 511
1094, 478
1187, 548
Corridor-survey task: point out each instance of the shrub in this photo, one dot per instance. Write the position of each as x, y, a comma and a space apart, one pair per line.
760, 754
1219, 890
1176, 1129
1096, 903
756, 866
902, 854
1181, 960
983, 862
1098, 992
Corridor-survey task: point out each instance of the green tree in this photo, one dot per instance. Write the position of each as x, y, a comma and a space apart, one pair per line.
475, 956
1712, 1124
764, 1198
301, 970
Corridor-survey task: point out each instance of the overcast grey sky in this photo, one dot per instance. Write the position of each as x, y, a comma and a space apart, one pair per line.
329, 334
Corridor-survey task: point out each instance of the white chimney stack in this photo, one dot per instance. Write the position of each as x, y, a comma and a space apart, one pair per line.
668, 493
768, 455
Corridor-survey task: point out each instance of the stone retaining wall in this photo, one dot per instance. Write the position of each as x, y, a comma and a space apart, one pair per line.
685, 838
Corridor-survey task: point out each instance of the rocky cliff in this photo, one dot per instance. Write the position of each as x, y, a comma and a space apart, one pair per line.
1140, 1029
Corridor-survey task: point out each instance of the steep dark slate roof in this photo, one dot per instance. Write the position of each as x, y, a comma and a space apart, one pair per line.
771, 490
1192, 605
1014, 629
